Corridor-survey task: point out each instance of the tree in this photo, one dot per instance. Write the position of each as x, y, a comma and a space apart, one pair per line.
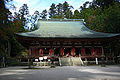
67, 10
103, 16
68, 14
85, 4
107, 20
18, 24
52, 10
76, 14
21, 18
8, 26
9, 47
4, 14
17, 16
65, 7
23, 12
43, 14
59, 9
104, 3
112, 15
33, 19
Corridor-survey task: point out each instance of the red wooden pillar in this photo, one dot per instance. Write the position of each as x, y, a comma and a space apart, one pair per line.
92, 51
82, 51
98, 51
29, 52
41, 52
73, 52
51, 51
61, 52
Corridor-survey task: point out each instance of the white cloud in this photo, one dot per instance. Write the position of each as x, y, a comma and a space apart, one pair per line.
70, 1
22, 1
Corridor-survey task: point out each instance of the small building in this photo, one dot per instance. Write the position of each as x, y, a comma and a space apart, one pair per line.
66, 38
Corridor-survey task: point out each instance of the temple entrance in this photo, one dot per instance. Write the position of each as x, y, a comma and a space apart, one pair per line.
88, 51
56, 51
67, 51
46, 51
78, 51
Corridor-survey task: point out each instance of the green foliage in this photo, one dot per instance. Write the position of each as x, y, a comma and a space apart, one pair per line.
20, 19
33, 19
23, 12
8, 44
102, 20
16, 48
65, 7
18, 26
4, 12
21, 16
43, 14
103, 16
67, 10
97, 23
76, 14
104, 3
24, 53
61, 11
112, 21
68, 14
52, 10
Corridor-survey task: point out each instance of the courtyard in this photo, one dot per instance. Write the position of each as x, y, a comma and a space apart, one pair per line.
61, 73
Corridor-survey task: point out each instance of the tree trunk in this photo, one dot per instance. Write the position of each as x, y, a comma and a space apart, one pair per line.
9, 48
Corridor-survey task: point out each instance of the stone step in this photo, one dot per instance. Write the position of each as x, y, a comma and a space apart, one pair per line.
70, 61
65, 61
76, 61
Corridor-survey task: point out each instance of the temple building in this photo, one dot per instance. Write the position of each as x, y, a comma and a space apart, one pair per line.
63, 38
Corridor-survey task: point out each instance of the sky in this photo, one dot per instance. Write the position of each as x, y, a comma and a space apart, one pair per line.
40, 5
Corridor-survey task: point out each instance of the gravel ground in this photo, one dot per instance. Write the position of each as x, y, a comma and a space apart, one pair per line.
62, 73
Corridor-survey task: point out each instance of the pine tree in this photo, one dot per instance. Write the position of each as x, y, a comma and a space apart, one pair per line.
52, 11
23, 12
43, 15
76, 14
67, 10
59, 9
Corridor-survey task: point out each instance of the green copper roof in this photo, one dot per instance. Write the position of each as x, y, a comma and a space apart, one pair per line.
64, 29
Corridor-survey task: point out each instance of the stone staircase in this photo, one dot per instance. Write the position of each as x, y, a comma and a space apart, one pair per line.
70, 61
65, 61
76, 61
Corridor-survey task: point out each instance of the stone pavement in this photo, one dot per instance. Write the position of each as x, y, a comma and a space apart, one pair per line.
62, 73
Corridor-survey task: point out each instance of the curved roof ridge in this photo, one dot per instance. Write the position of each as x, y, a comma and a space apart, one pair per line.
53, 19
66, 28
